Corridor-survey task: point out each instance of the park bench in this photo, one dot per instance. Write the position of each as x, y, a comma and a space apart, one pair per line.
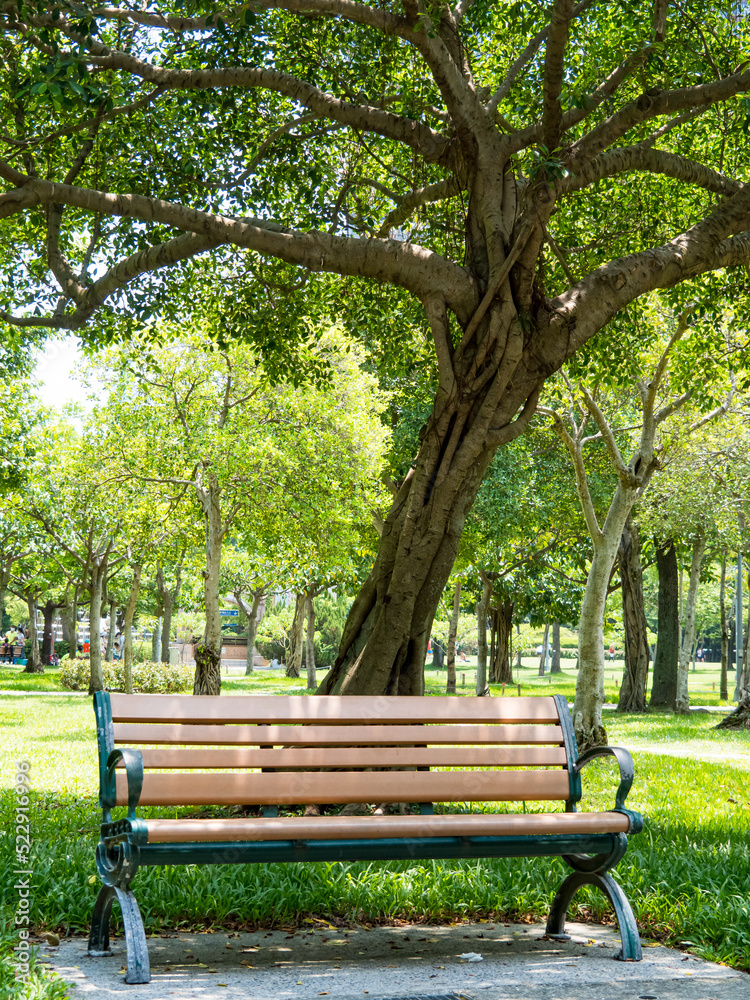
289, 752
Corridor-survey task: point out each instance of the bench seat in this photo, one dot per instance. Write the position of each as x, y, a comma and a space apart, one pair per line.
161, 831
284, 754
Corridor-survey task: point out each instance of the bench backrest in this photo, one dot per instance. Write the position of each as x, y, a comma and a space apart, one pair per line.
278, 750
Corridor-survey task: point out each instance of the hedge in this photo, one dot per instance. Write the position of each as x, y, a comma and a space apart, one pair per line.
148, 677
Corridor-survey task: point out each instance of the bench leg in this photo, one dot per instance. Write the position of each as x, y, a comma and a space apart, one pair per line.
139, 968
631, 941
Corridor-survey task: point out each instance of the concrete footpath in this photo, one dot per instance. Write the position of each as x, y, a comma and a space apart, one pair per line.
481, 961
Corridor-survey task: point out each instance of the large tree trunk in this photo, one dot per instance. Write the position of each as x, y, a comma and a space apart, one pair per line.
556, 667
48, 645
682, 701
450, 685
97, 576
483, 607
127, 628
207, 652
296, 640
312, 681
34, 661
384, 643
637, 655
664, 683
724, 684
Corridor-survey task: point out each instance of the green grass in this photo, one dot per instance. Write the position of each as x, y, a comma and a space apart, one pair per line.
703, 683
687, 876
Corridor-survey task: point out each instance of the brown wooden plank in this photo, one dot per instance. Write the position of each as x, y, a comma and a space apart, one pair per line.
331, 709
128, 734
362, 827
347, 757
287, 788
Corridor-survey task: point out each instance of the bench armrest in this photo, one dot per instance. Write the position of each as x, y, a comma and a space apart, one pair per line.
133, 761
627, 774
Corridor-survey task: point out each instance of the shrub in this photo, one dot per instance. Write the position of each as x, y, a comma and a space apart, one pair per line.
148, 677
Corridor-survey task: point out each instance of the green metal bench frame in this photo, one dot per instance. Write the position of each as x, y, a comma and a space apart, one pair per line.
123, 848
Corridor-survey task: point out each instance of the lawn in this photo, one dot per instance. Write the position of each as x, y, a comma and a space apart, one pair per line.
687, 876
704, 682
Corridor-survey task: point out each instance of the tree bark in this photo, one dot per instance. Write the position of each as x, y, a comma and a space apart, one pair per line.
483, 605
34, 661
156, 637
587, 710
97, 576
251, 613
208, 651
312, 681
384, 643
438, 655
168, 599
556, 667
127, 628
545, 647
296, 639
682, 701
501, 670
664, 683
450, 686
111, 633
48, 645
637, 655
724, 683
69, 616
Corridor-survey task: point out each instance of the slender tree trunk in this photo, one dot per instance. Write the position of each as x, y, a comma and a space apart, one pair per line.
312, 681
296, 640
545, 647
34, 661
637, 655
97, 576
168, 599
682, 701
501, 670
251, 612
48, 645
664, 683
69, 616
112, 627
127, 628
450, 687
208, 651
587, 710
156, 636
724, 684
556, 668
482, 609
438, 656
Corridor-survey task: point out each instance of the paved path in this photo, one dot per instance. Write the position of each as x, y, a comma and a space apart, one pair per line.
408, 961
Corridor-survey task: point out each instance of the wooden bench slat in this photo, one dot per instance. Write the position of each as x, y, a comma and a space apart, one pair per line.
332, 709
131, 734
345, 757
300, 788
378, 827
